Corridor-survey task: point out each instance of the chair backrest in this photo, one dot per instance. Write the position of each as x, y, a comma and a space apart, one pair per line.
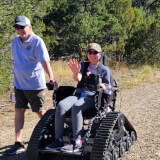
62, 92
103, 59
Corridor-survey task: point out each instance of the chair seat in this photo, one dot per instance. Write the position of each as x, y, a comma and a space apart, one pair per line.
90, 113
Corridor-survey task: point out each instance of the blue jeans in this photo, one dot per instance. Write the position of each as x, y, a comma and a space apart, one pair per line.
78, 105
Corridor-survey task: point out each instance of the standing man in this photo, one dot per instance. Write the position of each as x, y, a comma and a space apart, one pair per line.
31, 59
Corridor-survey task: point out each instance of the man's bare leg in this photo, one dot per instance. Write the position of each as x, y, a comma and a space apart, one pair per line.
19, 123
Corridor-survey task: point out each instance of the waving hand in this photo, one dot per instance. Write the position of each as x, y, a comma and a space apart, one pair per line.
75, 67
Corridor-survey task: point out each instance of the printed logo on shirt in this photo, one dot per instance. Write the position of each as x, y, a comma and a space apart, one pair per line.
28, 47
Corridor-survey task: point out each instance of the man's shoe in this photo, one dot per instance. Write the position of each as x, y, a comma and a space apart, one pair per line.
17, 148
75, 146
56, 144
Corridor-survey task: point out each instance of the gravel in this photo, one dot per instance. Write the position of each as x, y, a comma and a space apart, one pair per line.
141, 105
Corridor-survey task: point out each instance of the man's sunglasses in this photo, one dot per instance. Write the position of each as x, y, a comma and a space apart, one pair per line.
19, 27
92, 52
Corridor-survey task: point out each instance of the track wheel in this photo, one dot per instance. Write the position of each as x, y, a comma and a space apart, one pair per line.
128, 143
115, 154
133, 137
121, 121
108, 156
122, 148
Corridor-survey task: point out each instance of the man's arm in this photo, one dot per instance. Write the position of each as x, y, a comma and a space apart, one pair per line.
47, 67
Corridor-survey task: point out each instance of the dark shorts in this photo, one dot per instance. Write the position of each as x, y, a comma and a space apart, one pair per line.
35, 98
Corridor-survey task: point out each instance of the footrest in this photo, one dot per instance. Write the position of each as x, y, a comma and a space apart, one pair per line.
59, 152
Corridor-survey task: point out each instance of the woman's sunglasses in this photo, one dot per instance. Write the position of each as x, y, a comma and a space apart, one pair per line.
19, 27
92, 52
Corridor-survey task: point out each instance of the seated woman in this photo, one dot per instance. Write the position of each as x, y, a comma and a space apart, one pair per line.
90, 76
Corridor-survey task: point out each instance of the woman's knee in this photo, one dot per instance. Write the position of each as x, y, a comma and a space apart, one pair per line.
60, 107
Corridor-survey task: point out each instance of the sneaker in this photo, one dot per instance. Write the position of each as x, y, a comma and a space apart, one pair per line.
56, 144
17, 148
75, 146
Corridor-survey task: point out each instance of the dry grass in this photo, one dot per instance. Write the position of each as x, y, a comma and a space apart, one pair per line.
62, 72
137, 76
134, 77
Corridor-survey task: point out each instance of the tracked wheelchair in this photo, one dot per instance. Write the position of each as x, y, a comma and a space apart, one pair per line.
106, 135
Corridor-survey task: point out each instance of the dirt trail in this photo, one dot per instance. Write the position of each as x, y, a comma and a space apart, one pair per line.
140, 105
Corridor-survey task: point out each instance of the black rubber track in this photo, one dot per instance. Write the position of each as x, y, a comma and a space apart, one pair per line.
102, 137
33, 145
